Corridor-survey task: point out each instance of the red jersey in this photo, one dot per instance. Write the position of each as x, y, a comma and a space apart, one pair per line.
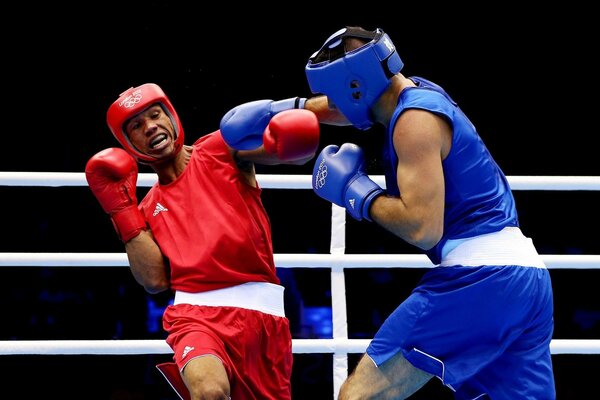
210, 223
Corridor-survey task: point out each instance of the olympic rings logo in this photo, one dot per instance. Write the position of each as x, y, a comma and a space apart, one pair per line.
131, 100
321, 175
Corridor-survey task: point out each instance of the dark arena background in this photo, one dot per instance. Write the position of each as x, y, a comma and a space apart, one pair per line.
527, 77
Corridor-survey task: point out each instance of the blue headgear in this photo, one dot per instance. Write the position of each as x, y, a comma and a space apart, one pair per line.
354, 80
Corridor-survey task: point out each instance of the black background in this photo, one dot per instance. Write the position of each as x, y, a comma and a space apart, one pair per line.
527, 77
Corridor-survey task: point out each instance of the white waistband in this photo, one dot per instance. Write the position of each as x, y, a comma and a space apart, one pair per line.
260, 296
506, 247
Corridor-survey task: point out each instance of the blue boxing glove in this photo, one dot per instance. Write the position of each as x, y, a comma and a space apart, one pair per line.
339, 177
242, 127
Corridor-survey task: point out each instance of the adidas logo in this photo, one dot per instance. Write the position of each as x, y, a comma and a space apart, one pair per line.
159, 207
186, 350
351, 201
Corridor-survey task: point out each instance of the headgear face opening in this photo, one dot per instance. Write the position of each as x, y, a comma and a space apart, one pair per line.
354, 80
133, 101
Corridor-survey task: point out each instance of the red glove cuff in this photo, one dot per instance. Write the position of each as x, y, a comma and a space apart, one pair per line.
128, 223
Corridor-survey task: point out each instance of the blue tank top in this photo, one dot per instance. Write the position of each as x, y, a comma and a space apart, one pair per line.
478, 198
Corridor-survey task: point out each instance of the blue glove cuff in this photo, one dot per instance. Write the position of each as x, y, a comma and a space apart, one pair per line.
360, 194
287, 104
368, 200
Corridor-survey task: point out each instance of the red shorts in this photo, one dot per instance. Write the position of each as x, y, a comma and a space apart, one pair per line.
255, 347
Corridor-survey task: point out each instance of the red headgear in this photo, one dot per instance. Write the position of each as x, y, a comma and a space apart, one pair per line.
133, 101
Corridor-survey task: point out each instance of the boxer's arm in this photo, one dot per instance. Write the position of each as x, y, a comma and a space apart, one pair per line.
147, 263
112, 177
325, 111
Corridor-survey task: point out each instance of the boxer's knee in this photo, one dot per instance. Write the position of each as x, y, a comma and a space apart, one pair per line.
206, 379
209, 391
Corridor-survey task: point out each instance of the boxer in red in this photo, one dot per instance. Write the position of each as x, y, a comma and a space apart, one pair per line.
202, 232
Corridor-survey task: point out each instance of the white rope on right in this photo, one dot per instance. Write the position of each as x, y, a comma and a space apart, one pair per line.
299, 346
287, 260
270, 181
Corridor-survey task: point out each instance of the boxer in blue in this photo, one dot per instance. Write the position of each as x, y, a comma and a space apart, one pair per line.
481, 320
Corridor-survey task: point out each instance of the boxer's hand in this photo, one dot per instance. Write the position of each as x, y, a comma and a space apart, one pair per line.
292, 135
112, 177
339, 177
242, 127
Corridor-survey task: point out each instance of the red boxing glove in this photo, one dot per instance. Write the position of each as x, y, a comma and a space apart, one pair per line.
292, 135
112, 176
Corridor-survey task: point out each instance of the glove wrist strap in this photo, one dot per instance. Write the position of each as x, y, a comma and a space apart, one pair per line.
128, 223
367, 204
300, 101
359, 196
287, 104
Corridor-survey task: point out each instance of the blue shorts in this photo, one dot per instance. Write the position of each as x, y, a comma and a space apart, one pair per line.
480, 330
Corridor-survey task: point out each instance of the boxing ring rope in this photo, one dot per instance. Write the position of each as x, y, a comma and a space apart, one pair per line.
270, 181
157, 346
288, 260
340, 345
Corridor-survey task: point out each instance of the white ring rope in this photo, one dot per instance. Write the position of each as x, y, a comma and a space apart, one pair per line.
299, 346
268, 181
340, 345
287, 260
